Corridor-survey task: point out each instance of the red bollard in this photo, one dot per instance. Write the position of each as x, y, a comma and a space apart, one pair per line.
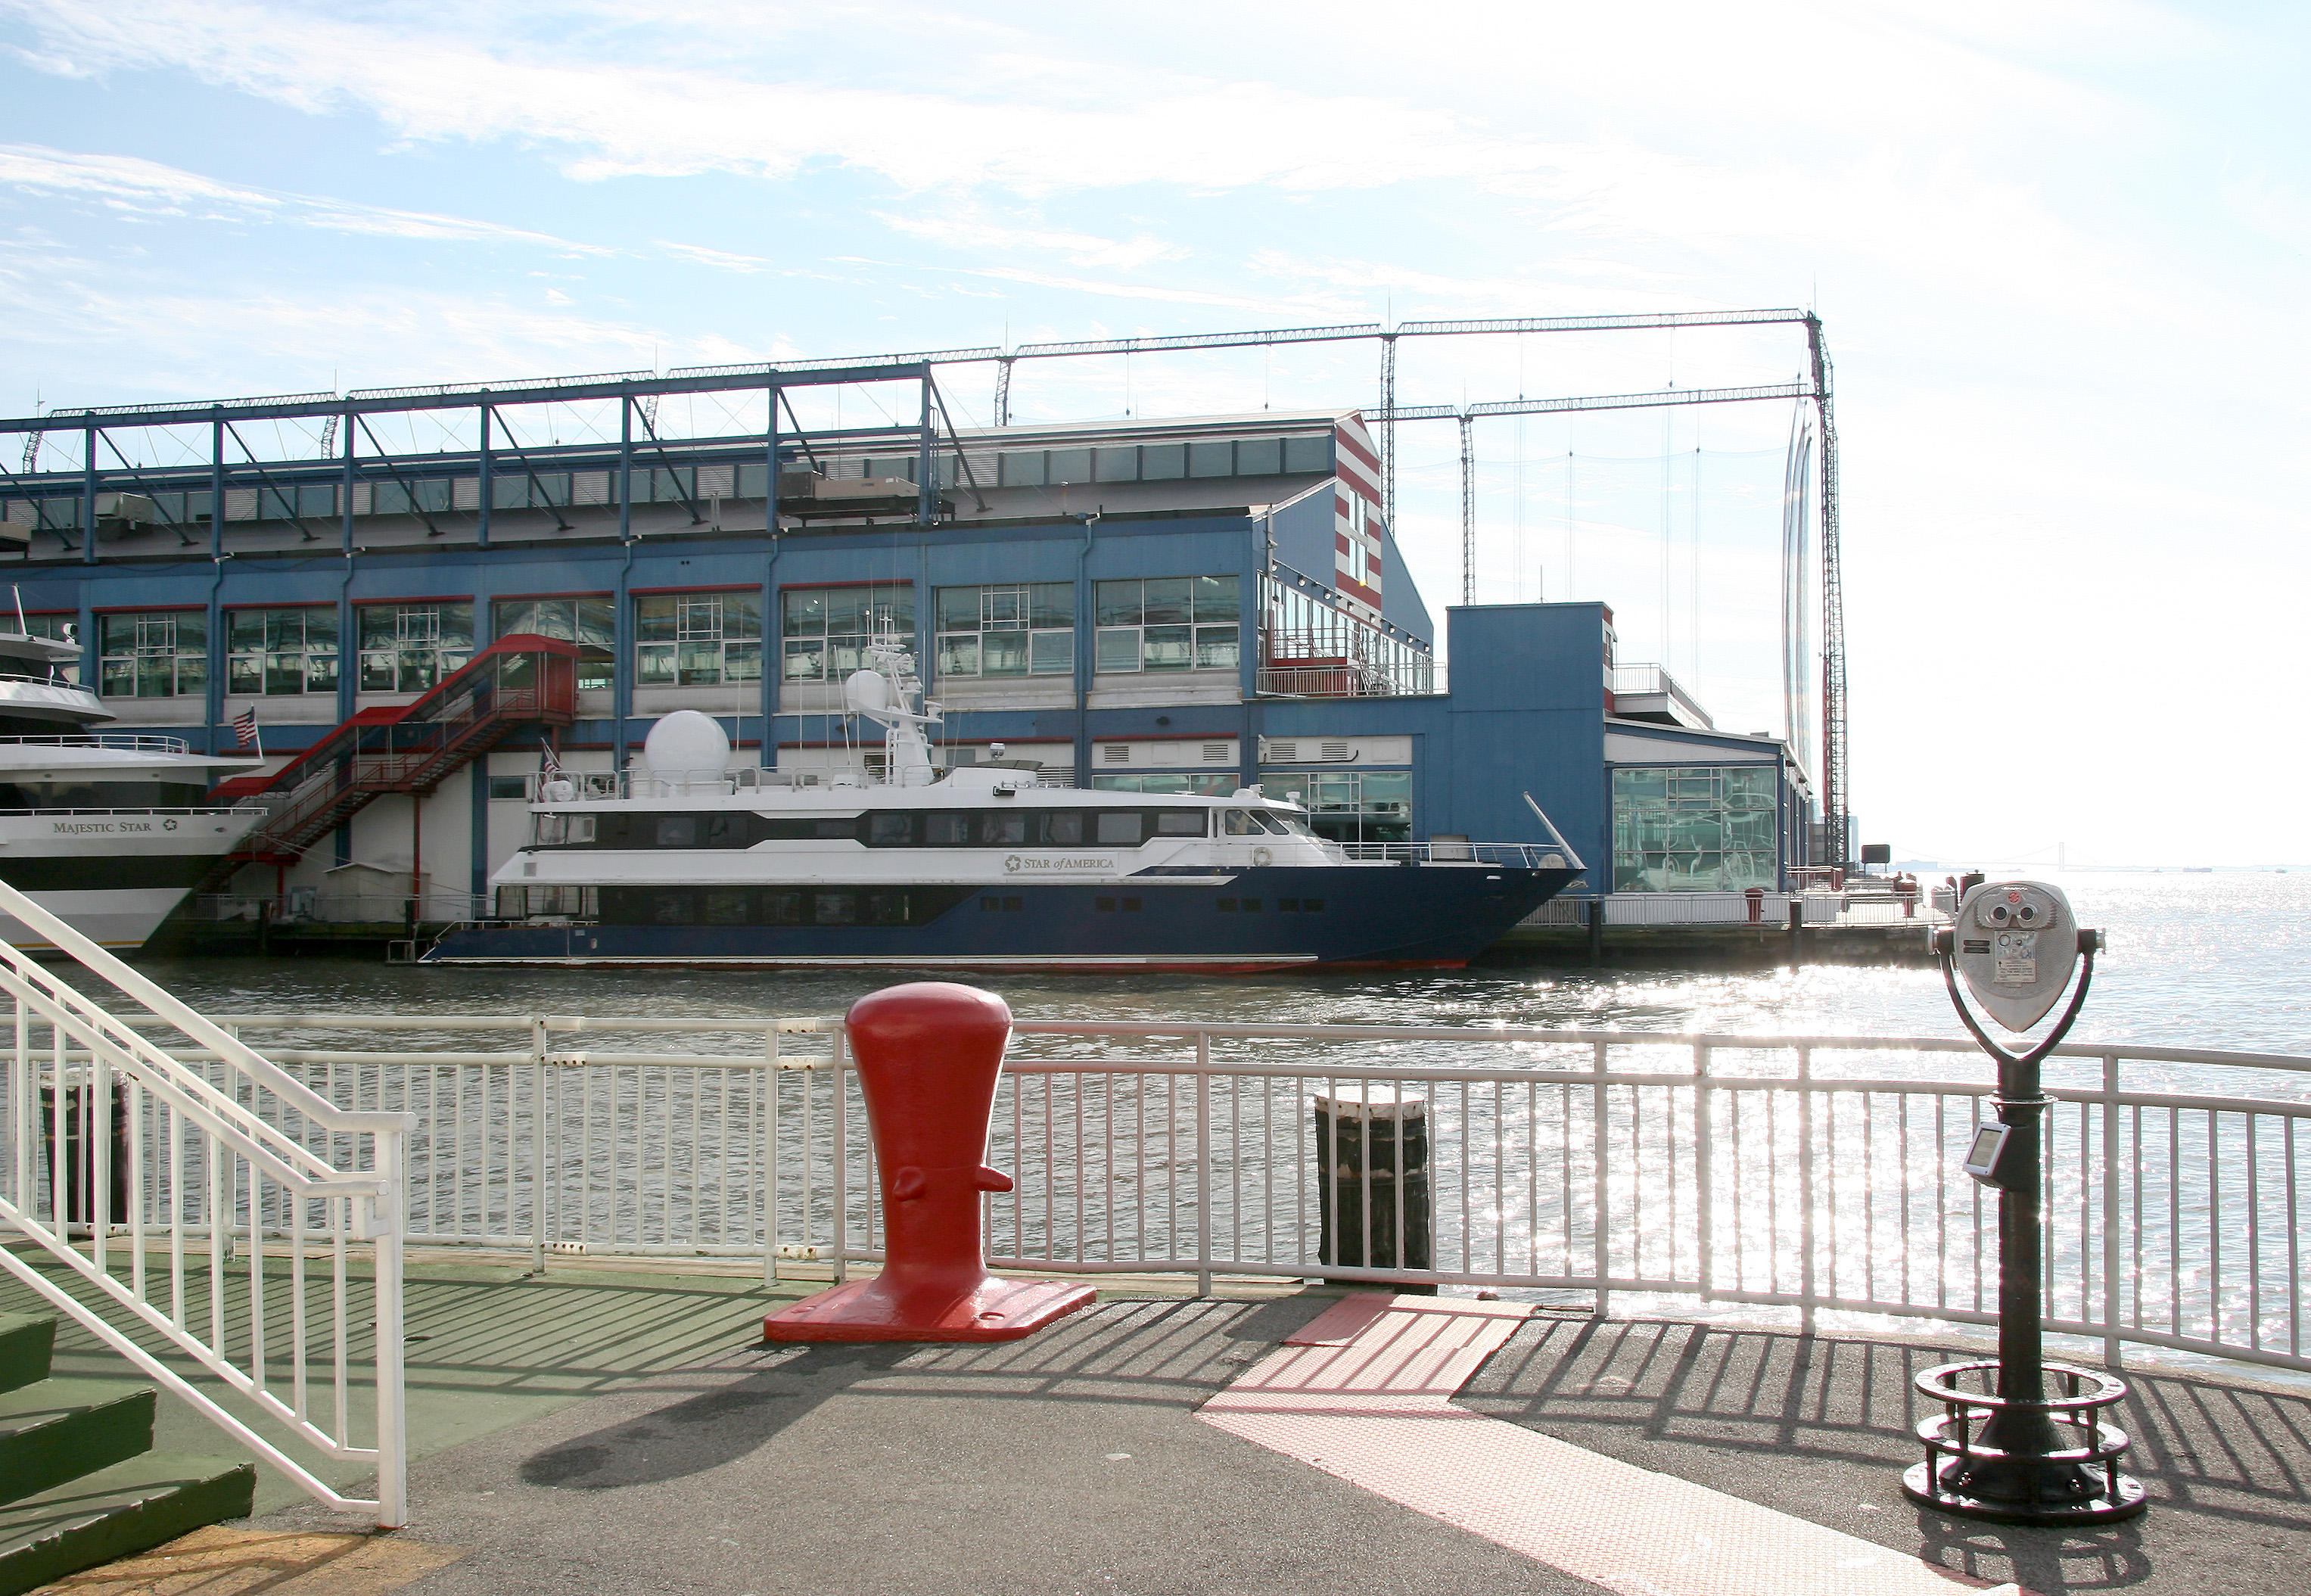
928, 1054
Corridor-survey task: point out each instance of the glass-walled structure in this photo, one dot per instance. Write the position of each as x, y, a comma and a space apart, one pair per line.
1695, 828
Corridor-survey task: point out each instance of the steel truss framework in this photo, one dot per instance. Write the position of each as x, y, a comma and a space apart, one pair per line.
637, 394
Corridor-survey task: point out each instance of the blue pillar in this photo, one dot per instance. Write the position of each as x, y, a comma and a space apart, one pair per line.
88, 498
482, 528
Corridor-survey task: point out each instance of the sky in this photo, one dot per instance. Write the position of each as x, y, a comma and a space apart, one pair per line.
2058, 247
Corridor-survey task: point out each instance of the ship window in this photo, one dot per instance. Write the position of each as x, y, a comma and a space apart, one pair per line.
1122, 829
1227, 905
1236, 822
677, 831
279, 651
782, 907
890, 830
825, 630
1179, 823
669, 908
1001, 829
1287, 905
1269, 823
723, 906
726, 831
1063, 828
164, 654
1311, 905
1104, 905
834, 909
1252, 905
886, 909
1131, 905
409, 647
949, 829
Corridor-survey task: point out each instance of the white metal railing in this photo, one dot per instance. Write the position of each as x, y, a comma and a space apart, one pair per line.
1805, 1173
208, 1206
128, 741
1526, 856
1772, 911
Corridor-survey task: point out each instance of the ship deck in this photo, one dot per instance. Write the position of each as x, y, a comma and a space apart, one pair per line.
598, 1428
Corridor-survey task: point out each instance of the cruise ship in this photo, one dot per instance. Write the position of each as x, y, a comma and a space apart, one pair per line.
106, 831
983, 867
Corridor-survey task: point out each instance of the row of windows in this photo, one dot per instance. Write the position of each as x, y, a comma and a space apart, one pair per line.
513, 486
689, 639
934, 828
777, 905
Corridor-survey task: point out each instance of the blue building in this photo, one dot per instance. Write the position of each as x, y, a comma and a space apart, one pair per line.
1184, 605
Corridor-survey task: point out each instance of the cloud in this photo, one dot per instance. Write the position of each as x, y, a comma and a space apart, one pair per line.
147, 187
974, 235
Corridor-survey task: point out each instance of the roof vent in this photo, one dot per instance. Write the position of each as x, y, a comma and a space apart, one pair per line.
1284, 752
1116, 753
1215, 752
1335, 751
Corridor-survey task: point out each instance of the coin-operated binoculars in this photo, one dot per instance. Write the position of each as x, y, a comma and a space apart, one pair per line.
2003, 1447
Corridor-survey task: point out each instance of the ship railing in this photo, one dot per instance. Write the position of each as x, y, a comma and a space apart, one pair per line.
1693, 1173
1529, 855
1732, 908
201, 1206
139, 812
125, 741
605, 786
24, 679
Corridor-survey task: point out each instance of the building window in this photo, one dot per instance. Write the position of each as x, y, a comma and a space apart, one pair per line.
1349, 806
590, 622
825, 630
1179, 622
697, 640
1695, 828
160, 655
1197, 783
409, 647
277, 651
1027, 629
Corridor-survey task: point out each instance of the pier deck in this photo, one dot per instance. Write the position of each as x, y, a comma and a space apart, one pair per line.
621, 1429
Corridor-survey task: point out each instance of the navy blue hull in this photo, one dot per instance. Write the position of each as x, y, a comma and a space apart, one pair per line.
1422, 916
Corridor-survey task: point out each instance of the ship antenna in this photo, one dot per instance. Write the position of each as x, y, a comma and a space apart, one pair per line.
19, 593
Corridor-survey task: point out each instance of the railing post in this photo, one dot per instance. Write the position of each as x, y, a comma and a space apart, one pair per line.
841, 1114
770, 1131
1204, 1165
2110, 1209
537, 1203
1807, 1200
1601, 1198
1704, 1170
392, 1425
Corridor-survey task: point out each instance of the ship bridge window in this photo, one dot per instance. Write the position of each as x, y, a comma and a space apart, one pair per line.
1179, 823
556, 831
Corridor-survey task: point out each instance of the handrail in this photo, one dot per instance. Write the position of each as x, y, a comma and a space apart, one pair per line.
137, 742
164, 1005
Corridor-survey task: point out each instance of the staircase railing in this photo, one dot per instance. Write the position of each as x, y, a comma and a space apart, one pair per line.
517, 680
217, 1206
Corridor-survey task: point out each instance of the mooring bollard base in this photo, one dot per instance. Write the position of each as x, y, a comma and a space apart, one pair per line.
869, 1311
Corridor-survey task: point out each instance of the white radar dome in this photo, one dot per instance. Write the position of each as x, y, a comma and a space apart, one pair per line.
686, 745
865, 692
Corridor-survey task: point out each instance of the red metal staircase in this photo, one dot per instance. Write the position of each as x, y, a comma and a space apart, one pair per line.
522, 680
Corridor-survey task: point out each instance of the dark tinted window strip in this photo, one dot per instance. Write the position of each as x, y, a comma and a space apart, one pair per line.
898, 828
867, 906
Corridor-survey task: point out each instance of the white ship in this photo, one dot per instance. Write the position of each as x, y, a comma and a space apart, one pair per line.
106, 831
983, 867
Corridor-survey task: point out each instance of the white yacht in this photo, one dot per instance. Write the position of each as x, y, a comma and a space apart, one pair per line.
984, 866
104, 830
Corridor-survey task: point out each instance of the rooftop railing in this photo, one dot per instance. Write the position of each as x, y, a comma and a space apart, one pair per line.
128, 742
1705, 1172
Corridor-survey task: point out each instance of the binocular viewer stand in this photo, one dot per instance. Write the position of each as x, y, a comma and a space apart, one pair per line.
2003, 1447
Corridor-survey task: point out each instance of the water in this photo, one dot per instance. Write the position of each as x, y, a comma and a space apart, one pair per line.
2211, 961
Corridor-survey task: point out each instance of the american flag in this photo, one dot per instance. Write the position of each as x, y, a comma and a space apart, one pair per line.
244, 728
549, 764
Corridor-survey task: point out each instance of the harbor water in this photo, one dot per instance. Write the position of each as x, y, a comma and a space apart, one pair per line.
2219, 959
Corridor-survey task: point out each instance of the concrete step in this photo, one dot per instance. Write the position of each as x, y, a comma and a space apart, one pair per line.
54, 1430
26, 1340
116, 1512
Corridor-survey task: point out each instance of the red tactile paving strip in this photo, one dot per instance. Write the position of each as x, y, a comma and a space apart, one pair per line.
1364, 1393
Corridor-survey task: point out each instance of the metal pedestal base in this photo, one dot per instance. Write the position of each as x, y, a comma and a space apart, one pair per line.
1967, 1475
